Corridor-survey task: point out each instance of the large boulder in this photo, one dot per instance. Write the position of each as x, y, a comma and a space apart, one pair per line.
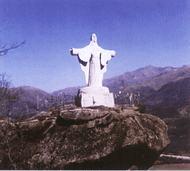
89, 138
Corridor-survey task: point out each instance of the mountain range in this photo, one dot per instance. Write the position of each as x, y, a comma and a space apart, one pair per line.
158, 87
154, 77
149, 76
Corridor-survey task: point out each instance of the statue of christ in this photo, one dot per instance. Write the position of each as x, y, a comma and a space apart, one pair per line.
93, 60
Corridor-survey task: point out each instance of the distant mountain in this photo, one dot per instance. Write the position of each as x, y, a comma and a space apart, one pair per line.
150, 81
157, 86
31, 93
29, 96
150, 76
28, 99
67, 91
166, 91
133, 80
134, 77
163, 78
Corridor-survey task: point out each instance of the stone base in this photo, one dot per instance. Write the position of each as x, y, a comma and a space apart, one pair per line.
94, 96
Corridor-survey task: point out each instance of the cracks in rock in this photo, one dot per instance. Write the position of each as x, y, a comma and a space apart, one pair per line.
68, 122
103, 125
9, 155
51, 126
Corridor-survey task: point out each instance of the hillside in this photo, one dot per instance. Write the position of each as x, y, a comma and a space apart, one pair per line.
27, 102
67, 91
30, 96
163, 78
150, 76
31, 93
171, 92
170, 100
135, 77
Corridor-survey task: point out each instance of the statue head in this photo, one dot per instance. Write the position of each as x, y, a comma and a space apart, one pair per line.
93, 38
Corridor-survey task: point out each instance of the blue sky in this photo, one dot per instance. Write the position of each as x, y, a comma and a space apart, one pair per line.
142, 32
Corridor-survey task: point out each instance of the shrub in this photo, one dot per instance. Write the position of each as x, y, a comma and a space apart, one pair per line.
141, 108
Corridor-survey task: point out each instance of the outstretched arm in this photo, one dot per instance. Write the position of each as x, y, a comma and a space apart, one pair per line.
84, 53
74, 51
106, 56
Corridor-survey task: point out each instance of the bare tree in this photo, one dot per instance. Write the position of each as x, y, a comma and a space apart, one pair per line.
4, 85
8, 95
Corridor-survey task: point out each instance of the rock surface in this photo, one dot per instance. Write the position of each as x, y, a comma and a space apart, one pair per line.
86, 138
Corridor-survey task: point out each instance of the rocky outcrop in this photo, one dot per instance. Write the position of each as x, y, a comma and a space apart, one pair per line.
87, 138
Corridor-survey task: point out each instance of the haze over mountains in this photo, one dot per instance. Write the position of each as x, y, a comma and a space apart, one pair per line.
158, 86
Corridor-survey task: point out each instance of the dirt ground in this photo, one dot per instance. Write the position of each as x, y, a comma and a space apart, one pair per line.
185, 166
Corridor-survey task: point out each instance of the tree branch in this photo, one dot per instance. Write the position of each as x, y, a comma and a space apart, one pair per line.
4, 50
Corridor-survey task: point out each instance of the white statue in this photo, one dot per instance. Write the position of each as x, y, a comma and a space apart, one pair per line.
93, 60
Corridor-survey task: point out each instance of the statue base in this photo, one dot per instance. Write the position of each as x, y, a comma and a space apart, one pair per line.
94, 96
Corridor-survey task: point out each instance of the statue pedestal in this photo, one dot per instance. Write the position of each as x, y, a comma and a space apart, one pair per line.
94, 96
